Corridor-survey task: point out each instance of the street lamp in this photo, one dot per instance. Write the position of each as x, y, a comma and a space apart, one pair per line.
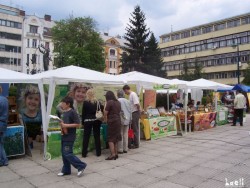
236, 45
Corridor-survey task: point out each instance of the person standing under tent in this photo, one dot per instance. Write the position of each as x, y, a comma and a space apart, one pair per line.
239, 105
69, 122
89, 121
135, 104
4, 110
126, 117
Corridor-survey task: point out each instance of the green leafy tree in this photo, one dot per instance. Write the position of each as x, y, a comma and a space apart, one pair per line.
152, 59
186, 74
77, 43
198, 71
136, 36
246, 79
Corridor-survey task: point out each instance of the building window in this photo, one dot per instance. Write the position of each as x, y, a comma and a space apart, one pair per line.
114, 65
33, 29
196, 32
245, 20
185, 34
110, 64
220, 26
207, 29
233, 23
165, 39
28, 59
34, 43
28, 43
112, 52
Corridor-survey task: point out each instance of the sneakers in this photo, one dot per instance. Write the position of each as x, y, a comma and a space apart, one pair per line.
60, 174
80, 173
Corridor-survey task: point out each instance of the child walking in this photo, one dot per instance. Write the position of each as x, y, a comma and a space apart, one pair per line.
70, 122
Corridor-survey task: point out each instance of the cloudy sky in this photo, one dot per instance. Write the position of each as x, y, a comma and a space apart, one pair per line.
113, 15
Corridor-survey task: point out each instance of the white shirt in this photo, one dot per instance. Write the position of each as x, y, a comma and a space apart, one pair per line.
239, 101
134, 100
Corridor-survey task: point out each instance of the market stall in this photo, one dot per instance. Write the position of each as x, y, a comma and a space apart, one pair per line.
15, 131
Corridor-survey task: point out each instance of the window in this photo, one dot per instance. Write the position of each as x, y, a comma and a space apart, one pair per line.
207, 29
185, 34
34, 43
114, 65
165, 39
28, 59
8, 23
196, 32
28, 43
233, 23
223, 43
112, 52
220, 26
243, 40
33, 29
245, 20
110, 64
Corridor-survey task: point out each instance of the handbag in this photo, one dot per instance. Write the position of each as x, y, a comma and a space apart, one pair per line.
99, 114
131, 134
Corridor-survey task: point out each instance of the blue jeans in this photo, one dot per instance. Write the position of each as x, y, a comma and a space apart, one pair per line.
70, 159
3, 157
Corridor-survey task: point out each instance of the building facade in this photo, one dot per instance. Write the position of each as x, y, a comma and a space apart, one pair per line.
37, 43
11, 25
113, 50
220, 47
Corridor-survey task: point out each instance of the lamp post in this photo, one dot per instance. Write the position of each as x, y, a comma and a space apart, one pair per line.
236, 45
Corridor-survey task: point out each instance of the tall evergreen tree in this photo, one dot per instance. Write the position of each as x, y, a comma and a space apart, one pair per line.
136, 36
197, 72
186, 74
152, 59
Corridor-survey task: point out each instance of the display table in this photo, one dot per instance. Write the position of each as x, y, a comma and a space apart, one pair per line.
54, 143
158, 127
14, 141
203, 121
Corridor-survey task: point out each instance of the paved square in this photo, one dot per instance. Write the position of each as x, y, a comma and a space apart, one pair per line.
202, 159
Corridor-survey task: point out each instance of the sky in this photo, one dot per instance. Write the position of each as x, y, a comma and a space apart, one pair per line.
113, 16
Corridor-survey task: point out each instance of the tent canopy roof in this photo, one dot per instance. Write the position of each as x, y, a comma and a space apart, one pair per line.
77, 74
207, 84
9, 76
241, 87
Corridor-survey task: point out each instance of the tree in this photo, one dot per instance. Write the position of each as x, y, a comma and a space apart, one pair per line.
197, 72
192, 73
136, 36
152, 59
186, 74
246, 80
77, 43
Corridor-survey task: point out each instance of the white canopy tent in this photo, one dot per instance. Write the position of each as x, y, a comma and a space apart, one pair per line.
8, 76
64, 75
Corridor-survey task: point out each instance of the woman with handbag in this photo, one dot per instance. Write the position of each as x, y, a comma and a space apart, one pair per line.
112, 115
91, 119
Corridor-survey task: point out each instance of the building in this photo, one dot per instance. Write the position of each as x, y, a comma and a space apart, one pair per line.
219, 46
36, 41
11, 24
113, 50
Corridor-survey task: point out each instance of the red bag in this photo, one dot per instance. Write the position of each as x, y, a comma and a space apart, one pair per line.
131, 133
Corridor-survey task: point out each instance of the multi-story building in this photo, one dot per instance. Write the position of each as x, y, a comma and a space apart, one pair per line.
37, 40
113, 51
11, 24
220, 47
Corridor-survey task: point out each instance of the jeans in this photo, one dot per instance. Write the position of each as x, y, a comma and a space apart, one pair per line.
70, 159
123, 144
88, 126
135, 127
3, 157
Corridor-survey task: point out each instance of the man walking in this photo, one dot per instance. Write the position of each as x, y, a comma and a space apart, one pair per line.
135, 105
239, 105
4, 109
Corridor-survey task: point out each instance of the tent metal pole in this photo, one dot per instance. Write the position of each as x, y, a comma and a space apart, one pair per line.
186, 102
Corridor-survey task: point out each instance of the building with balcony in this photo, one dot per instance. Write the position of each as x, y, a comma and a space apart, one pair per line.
37, 34
218, 46
113, 50
11, 25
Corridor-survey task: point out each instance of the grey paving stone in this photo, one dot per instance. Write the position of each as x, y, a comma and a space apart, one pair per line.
218, 151
186, 152
160, 172
194, 160
179, 165
7, 175
61, 184
211, 184
203, 171
152, 152
113, 184
185, 179
44, 179
20, 183
172, 156
217, 165
138, 166
137, 180
116, 172
22, 163
229, 159
239, 169
165, 184
90, 180
31, 171
206, 155
96, 167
